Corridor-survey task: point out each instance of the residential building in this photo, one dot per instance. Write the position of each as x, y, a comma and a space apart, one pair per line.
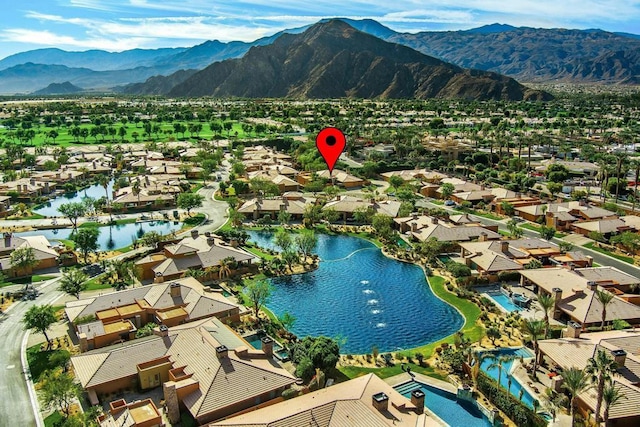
45, 255
337, 177
141, 413
116, 316
424, 227
490, 258
364, 401
204, 368
346, 206
575, 350
574, 290
292, 202
197, 252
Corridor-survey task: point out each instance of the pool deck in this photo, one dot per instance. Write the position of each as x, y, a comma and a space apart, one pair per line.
404, 377
533, 312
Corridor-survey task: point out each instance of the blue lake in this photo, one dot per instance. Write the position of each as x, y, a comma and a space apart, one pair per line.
95, 192
114, 236
361, 296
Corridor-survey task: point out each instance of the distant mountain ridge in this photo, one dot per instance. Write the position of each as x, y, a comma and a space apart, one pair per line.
531, 54
96, 60
334, 60
527, 54
65, 88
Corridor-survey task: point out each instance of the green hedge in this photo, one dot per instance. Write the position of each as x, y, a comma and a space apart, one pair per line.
517, 411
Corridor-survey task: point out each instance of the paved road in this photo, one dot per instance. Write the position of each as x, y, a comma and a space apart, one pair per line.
15, 404
597, 256
15, 401
215, 210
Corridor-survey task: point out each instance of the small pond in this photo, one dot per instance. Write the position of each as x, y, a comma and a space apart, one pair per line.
96, 191
114, 236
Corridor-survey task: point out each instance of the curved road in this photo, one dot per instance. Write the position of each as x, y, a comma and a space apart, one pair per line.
16, 407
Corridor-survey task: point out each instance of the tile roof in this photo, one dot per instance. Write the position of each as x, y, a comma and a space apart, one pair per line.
578, 300
222, 382
347, 404
158, 296
570, 352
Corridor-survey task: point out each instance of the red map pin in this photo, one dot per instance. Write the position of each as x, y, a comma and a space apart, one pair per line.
330, 142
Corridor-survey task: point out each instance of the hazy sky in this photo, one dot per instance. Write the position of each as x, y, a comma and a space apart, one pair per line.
117, 25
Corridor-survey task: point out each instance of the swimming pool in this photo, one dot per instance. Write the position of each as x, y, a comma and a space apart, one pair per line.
362, 297
454, 412
255, 341
504, 301
515, 388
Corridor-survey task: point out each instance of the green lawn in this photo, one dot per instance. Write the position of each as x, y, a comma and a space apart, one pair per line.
26, 280
64, 138
390, 371
194, 220
39, 361
531, 227
95, 284
53, 419
32, 216
487, 215
619, 257
257, 252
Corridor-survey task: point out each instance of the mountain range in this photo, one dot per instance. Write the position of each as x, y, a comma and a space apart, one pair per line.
527, 54
334, 60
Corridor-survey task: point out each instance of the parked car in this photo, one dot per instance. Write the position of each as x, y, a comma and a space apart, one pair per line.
449, 203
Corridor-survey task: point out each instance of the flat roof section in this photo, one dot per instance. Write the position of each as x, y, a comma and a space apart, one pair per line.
129, 309
107, 314
172, 314
119, 326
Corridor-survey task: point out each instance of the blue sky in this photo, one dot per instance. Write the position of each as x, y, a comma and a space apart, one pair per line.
117, 25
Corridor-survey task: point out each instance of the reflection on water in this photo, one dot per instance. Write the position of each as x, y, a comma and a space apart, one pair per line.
337, 298
114, 236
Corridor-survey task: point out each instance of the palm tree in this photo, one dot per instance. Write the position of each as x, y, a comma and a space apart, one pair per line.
576, 381
547, 302
636, 165
135, 190
601, 367
103, 180
224, 271
620, 158
610, 395
534, 328
604, 298
499, 362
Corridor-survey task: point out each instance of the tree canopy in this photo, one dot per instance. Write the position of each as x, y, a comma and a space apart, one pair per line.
39, 318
